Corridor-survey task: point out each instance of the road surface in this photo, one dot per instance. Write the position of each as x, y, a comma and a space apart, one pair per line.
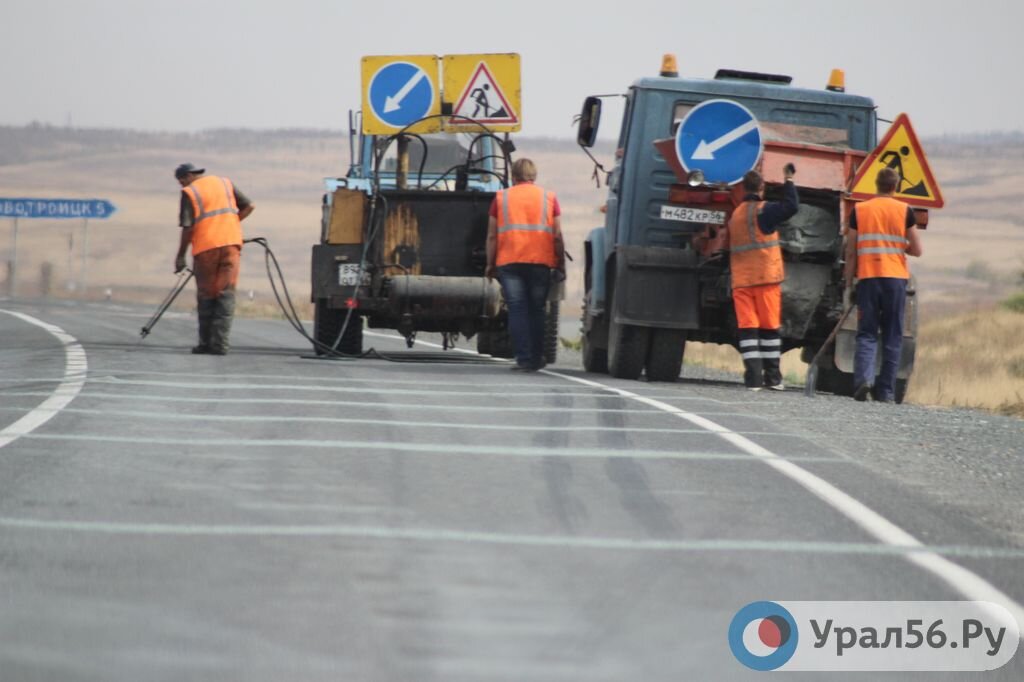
269, 516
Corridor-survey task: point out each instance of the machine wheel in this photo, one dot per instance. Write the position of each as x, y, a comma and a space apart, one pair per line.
327, 322
595, 359
627, 350
497, 344
833, 380
551, 333
665, 357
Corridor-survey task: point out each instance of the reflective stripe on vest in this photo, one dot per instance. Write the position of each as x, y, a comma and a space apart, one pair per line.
754, 257
526, 233
215, 213
881, 238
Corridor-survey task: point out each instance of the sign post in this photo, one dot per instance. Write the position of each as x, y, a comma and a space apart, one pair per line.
51, 209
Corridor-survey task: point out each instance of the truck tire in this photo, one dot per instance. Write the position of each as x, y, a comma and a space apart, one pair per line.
327, 322
497, 344
665, 356
627, 350
833, 380
595, 359
551, 333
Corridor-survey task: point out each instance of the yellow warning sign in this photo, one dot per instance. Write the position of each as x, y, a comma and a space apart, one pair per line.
401, 94
901, 151
483, 89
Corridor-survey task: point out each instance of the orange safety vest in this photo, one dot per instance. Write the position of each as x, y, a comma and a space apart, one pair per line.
526, 219
754, 257
215, 214
882, 238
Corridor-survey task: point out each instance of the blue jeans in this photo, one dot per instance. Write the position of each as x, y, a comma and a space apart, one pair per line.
880, 305
525, 287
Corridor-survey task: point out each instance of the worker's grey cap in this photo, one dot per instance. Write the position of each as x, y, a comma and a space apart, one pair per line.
186, 168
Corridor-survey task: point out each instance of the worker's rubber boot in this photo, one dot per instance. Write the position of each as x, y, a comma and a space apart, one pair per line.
771, 352
220, 326
204, 311
750, 351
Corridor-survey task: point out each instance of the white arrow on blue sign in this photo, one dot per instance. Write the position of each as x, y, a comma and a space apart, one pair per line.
720, 138
56, 208
401, 93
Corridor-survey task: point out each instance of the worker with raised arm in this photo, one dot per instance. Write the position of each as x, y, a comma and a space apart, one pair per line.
755, 264
525, 252
882, 234
212, 210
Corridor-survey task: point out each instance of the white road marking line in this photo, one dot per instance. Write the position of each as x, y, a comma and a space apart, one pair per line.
514, 539
150, 397
967, 583
220, 445
75, 369
258, 419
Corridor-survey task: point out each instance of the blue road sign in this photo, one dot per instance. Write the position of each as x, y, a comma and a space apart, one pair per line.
721, 138
56, 208
401, 93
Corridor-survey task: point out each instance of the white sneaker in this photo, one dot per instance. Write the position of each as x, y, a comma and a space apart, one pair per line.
777, 387
753, 388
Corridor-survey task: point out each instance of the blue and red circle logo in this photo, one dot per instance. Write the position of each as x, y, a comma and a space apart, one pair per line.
763, 635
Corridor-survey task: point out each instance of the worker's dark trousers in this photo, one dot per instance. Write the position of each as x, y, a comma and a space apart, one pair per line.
880, 306
525, 288
750, 351
770, 344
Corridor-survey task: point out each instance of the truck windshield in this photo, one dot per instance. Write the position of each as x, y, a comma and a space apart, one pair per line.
783, 122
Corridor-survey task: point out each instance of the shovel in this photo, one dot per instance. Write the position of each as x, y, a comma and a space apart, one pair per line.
812, 368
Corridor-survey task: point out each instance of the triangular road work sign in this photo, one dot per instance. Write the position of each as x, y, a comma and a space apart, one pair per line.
482, 100
901, 151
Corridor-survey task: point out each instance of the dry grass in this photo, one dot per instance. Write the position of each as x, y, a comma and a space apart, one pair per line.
974, 359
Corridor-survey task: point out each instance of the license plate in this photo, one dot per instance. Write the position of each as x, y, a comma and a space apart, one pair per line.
692, 215
348, 274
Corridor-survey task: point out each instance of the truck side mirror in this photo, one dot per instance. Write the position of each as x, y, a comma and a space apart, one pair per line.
590, 120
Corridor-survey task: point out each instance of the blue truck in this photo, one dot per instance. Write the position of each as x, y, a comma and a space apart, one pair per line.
653, 277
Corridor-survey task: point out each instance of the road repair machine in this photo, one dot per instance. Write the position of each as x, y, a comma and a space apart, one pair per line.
403, 234
655, 275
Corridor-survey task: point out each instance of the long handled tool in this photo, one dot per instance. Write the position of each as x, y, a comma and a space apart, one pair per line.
812, 368
168, 300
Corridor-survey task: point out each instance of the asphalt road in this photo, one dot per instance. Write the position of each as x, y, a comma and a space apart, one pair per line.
267, 516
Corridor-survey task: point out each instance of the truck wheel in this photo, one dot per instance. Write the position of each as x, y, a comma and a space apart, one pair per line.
551, 333
595, 359
627, 350
665, 357
327, 322
497, 344
483, 343
832, 380
901, 390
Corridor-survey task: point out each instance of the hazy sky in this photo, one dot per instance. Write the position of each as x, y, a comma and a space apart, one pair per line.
191, 64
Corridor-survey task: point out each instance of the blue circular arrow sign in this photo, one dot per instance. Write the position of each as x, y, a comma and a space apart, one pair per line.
721, 138
401, 93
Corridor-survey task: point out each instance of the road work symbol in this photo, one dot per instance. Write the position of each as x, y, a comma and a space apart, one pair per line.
900, 151
401, 93
721, 138
483, 100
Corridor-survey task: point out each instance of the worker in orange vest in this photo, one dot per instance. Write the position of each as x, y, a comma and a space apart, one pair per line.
755, 263
211, 213
882, 234
525, 252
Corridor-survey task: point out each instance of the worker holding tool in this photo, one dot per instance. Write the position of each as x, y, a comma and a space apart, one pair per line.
755, 261
212, 210
882, 234
525, 252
